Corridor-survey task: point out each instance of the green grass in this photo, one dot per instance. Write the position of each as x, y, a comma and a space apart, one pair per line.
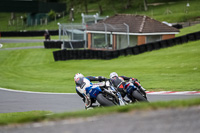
174, 69
20, 117
178, 13
23, 117
187, 30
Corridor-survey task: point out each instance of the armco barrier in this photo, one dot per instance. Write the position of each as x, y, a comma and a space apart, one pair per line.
191, 37
75, 44
184, 39
123, 51
100, 54
177, 40
156, 45
135, 50
150, 46
57, 55
67, 44
52, 44
163, 44
129, 51
197, 35
170, 42
143, 48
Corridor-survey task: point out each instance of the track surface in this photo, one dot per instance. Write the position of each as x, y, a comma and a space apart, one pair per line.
20, 40
11, 101
159, 121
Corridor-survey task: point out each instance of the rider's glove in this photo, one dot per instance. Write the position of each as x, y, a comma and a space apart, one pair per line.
133, 80
87, 102
101, 78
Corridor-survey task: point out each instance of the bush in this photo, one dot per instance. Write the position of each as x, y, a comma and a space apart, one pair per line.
51, 15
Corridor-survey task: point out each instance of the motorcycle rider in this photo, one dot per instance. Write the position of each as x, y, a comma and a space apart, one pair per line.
120, 81
81, 84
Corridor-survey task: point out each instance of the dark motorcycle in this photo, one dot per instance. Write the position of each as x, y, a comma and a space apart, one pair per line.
134, 93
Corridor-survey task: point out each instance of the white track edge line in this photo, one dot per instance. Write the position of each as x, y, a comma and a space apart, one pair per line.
32, 92
148, 92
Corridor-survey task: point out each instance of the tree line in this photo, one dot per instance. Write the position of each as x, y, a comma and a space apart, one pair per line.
125, 4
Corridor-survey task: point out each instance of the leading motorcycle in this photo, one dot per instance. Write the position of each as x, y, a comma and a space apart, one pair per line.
104, 93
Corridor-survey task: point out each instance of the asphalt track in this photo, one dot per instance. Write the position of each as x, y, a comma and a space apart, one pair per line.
180, 120
20, 101
20, 40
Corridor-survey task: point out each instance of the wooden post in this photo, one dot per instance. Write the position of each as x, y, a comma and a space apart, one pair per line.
114, 42
89, 40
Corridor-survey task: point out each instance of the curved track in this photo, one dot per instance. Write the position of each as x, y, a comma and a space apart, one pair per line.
20, 101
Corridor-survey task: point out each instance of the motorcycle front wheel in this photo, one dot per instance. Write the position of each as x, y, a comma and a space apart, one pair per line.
138, 96
104, 101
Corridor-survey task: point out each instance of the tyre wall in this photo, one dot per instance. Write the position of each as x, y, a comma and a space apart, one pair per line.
62, 55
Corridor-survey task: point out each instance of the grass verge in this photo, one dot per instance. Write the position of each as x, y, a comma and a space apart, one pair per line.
175, 68
20, 117
11, 118
187, 30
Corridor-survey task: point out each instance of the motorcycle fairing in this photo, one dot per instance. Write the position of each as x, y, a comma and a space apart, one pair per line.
129, 88
93, 91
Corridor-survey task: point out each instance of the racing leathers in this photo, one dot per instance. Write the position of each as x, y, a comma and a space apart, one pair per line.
82, 84
120, 82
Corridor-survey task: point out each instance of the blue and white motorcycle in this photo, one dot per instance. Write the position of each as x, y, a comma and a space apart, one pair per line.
109, 95
103, 92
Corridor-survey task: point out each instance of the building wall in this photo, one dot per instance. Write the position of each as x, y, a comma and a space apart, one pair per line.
164, 37
141, 39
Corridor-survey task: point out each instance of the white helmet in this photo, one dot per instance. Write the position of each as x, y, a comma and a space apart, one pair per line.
113, 74
78, 75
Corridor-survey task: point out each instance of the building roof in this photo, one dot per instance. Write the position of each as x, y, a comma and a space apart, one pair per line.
136, 24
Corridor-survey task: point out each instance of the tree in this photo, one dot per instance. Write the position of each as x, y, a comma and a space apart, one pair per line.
71, 9
86, 6
100, 7
145, 5
128, 4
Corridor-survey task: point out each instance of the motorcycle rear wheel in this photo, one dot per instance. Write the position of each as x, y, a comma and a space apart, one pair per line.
138, 96
104, 101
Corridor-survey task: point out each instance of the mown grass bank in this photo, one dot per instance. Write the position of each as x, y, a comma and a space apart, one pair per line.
187, 30
36, 116
19, 117
175, 69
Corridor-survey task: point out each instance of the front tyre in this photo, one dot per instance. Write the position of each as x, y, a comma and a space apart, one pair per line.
138, 96
104, 101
